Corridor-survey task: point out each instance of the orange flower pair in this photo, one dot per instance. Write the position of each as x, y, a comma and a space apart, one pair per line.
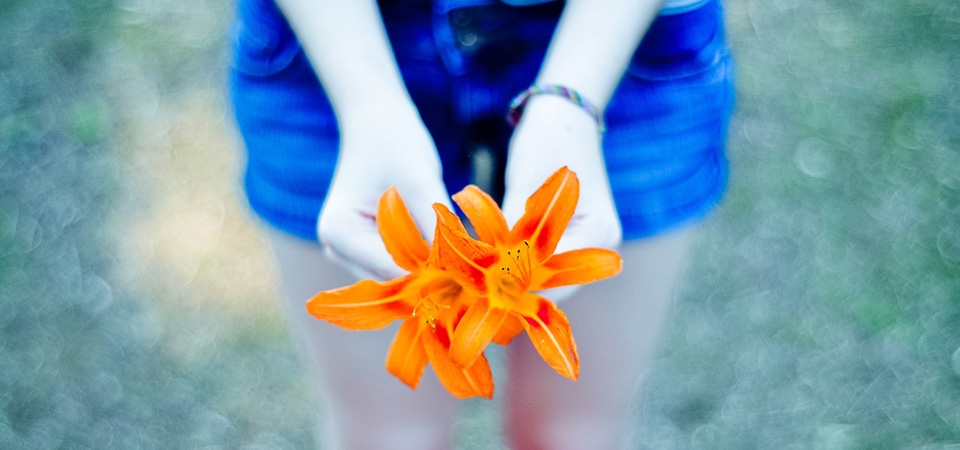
463, 293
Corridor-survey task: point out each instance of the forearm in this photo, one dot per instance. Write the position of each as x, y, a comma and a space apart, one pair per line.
589, 53
348, 47
593, 44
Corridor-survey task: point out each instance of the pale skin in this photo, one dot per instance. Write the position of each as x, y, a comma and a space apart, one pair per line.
384, 143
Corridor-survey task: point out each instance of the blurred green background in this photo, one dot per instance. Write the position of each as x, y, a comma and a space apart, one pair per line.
821, 309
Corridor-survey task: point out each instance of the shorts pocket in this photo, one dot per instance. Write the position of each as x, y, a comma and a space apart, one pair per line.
681, 45
263, 43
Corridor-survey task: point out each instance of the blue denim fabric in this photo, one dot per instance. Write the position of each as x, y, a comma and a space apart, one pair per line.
666, 124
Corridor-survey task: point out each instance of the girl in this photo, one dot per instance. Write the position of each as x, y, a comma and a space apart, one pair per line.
338, 100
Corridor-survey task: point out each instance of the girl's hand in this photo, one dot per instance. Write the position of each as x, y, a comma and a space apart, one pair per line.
383, 142
384, 149
554, 133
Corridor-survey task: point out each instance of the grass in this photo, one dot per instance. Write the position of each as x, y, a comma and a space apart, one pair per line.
821, 309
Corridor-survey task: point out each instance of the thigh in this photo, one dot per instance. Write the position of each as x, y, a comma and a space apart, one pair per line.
615, 323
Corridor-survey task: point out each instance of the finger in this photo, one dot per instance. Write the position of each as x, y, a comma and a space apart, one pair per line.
365, 256
358, 272
352, 239
585, 231
425, 218
514, 204
420, 204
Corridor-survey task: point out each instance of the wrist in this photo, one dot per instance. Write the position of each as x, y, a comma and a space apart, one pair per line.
390, 137
374, 111
558, 113
552, 134
555, 96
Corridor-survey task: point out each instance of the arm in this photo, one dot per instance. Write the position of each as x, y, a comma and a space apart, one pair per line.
593, 44
347, 45
383, 141
589, 53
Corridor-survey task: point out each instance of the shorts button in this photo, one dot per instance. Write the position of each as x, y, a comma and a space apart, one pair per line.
467, 38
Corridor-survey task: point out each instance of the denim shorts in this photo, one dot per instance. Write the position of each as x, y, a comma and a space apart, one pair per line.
666, 123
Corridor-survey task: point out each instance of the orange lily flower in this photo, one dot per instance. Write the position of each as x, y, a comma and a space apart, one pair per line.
506, 266
428, 300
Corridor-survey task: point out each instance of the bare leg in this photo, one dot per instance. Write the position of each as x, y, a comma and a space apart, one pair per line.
616, 323
364, 407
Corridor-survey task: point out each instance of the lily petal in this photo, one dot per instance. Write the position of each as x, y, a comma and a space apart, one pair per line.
581, 266
511, 327
448, 219
475, 331
547, 213
463, 257
399, 232
484, 215
407, 357
366, 305
461, 382
549, 331
445, 220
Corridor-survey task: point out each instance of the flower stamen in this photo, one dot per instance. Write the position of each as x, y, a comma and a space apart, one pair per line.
430, 309
435, 297
520, 262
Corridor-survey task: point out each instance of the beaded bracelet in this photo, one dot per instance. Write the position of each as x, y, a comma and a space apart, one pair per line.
520, 102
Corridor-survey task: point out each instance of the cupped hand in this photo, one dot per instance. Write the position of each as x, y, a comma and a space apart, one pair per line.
554, 133
375, 154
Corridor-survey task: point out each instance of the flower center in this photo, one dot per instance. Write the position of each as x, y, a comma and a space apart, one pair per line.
514, 276
435, 297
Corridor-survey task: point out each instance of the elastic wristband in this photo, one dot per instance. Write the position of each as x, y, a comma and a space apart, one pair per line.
520, 102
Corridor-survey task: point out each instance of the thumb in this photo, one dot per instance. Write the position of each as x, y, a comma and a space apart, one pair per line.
419, 202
